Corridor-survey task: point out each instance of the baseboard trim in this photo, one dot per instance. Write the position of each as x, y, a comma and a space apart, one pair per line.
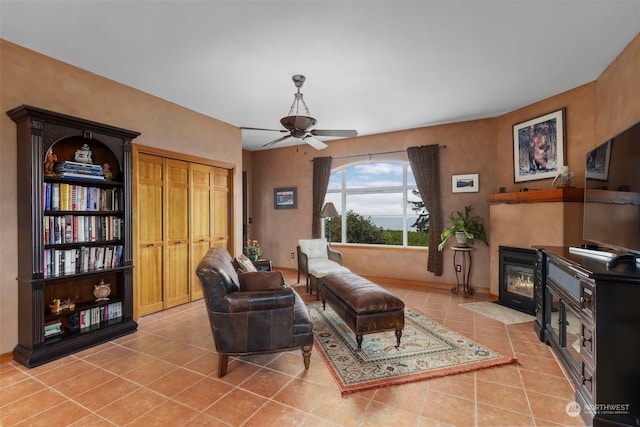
6, 357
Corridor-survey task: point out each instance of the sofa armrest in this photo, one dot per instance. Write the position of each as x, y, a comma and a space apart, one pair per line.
334, 255
261, 300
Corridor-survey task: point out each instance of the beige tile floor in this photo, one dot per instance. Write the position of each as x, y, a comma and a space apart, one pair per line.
165, 375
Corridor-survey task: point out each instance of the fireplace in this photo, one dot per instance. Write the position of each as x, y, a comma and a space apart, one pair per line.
516, 277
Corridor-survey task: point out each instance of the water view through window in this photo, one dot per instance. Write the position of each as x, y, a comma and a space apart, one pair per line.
377, 205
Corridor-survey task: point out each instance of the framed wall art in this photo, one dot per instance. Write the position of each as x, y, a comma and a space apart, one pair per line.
285, 198
538, 147
469, 183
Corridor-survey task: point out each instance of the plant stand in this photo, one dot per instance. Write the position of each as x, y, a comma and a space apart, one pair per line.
462, 264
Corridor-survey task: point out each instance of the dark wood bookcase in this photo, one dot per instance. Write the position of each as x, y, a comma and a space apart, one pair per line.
74, 233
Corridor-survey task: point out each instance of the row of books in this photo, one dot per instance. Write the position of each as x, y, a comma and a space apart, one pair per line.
99, 315
60, 196
70, 169
78, 229
81, 260
52, 328
86, 319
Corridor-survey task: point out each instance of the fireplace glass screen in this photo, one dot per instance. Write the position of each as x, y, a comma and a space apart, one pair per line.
519, 280
517, 267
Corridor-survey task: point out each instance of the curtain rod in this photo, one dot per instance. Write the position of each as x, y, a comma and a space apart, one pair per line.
375, 154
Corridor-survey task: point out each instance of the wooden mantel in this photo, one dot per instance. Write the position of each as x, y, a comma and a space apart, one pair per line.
564, 194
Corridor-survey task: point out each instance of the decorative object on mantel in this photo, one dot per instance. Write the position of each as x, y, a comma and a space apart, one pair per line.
466, 227
563, 179
538, 147
252, 250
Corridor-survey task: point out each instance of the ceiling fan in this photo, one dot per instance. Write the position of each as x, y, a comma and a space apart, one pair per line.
297, 125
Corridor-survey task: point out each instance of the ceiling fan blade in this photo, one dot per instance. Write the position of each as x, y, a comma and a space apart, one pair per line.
334, 132
272, 130
314, 142
277, 140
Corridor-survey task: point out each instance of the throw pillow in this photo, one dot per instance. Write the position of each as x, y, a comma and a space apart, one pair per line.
245, 264
261, 281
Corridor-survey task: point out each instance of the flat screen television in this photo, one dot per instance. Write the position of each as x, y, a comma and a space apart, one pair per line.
612, 197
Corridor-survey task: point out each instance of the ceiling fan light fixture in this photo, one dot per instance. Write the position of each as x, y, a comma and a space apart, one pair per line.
301, 123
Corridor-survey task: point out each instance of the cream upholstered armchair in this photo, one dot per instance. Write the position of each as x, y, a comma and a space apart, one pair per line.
316, 259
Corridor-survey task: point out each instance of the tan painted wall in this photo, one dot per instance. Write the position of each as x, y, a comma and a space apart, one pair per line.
618, 94
30, 78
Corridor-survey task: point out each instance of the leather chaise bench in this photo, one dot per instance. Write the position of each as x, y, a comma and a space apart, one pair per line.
364, 306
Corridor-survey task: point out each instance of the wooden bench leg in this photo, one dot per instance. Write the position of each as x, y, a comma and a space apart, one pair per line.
398, 336
223, 361
306, 355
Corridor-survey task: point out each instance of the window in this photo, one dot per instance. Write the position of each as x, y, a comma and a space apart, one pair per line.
375, 201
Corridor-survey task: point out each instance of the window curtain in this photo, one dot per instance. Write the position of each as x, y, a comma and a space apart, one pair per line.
321, 174
425, 164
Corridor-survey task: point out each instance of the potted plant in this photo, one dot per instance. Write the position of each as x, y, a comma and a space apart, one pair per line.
466, 227
252, 250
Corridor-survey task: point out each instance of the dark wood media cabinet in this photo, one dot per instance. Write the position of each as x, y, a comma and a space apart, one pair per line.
590, 315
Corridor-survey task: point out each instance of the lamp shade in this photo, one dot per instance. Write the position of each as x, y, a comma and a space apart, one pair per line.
328, 211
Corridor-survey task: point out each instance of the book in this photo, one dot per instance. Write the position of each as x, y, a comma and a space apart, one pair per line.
64, 197
55, 196
77, 165
79, 175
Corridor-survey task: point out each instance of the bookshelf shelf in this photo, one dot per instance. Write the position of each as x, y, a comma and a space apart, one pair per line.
73, 234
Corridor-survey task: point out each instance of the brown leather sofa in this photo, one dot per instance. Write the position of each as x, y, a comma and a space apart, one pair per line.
252, 313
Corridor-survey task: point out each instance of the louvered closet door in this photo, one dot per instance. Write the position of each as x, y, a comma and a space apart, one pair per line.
201, 220
176, 253
148, 222
221, 205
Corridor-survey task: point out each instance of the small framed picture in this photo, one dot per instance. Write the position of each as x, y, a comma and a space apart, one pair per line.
538, 147
469, 183
285, 198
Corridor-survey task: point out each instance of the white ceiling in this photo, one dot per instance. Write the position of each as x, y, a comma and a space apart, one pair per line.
374, 66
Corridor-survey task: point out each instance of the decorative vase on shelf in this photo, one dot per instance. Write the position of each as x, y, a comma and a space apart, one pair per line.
253, 257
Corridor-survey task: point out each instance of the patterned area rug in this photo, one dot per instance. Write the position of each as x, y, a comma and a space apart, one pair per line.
427, 350
499, 312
